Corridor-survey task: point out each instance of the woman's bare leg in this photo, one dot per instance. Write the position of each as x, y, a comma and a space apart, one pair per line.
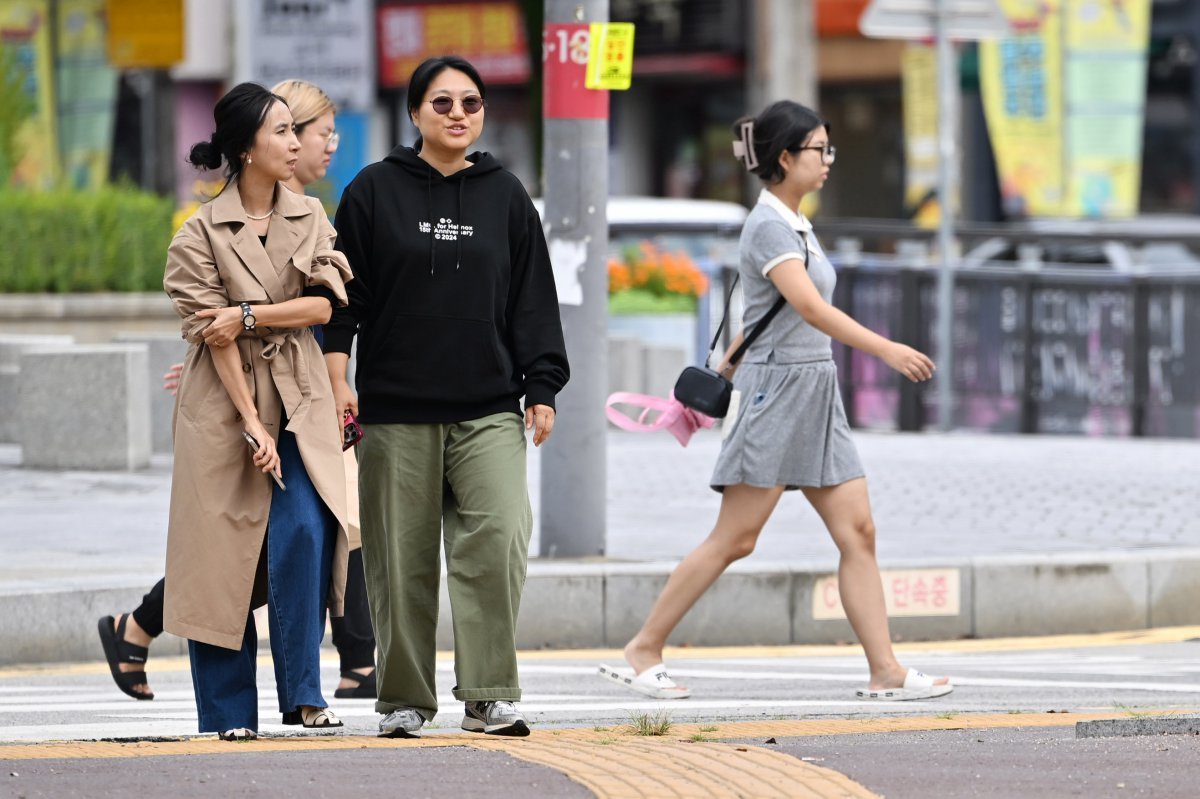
846, 511
744, 511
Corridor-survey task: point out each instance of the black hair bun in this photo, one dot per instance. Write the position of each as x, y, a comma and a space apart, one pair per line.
205, 155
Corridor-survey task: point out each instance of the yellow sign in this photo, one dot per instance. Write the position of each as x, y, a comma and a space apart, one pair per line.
145, 33
918, 81
610, 58
906, 592
1023, 103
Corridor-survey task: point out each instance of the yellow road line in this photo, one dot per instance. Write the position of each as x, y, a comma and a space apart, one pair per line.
1160, 635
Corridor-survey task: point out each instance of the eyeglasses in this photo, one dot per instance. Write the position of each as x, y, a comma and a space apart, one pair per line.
331, 141
471, 104
828, 151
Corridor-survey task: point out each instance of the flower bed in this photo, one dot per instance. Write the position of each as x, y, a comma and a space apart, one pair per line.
647, 280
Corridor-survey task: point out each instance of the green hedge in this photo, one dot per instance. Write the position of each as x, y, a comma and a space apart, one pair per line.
641, 301
112, 239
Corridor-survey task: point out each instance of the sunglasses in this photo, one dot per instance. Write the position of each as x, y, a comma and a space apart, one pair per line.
471, 104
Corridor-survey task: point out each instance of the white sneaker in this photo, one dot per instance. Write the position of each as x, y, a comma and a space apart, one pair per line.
495, 718
401, 723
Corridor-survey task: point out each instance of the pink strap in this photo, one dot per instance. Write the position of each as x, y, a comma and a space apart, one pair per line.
672, 416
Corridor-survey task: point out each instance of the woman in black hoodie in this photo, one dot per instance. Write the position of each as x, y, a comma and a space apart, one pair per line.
454, 304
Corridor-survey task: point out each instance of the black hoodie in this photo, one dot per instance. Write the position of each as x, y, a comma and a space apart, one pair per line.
453, 296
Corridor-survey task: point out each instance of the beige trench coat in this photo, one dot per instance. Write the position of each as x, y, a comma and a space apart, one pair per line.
219, 500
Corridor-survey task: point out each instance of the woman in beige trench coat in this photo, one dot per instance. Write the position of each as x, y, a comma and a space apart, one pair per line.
248, 273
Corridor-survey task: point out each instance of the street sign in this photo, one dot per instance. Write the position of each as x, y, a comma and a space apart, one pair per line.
610, 59
966, 20
145, 33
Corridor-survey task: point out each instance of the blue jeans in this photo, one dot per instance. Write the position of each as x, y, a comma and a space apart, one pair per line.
299, 556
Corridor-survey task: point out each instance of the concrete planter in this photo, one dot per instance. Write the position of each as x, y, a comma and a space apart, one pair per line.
667, 330
88, 318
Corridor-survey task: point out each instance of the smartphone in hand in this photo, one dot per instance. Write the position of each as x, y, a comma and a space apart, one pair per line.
352, 431
254, 447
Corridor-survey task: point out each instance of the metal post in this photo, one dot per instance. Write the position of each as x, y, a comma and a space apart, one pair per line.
575, 173
781, 45
947, 162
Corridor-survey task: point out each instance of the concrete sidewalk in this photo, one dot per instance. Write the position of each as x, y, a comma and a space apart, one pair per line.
979, 536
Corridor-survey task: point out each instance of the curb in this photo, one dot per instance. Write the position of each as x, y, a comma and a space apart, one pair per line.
574, 605
1112, 728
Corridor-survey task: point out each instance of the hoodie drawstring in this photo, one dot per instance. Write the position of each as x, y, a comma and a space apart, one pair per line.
429, 210
433, 228
458, 239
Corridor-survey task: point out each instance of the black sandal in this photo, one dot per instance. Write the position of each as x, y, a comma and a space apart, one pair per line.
117, 651
366, 688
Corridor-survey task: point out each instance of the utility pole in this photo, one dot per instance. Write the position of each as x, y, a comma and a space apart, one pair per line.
575, 174
783, 54
947, 196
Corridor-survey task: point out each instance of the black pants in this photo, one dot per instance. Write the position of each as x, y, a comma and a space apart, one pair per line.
149, 614
352, 633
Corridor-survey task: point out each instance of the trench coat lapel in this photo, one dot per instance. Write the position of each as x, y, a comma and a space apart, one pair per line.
282, 242
287, 229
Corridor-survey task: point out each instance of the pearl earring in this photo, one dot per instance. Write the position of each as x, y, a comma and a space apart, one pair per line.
249, 160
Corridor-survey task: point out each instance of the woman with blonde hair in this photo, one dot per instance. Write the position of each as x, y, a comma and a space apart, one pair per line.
313, 112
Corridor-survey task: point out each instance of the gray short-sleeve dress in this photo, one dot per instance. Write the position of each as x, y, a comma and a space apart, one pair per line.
790, 428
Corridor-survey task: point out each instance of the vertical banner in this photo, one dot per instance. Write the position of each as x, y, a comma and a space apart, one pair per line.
918, 80
1105, 80
87, 93
25, 36
565, 49
1020, 78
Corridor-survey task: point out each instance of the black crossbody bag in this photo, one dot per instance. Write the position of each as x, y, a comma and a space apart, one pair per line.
707, 391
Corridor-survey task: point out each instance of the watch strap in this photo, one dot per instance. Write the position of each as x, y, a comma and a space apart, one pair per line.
247, 314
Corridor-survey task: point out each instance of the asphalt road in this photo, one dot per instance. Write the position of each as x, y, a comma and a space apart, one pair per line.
988, 738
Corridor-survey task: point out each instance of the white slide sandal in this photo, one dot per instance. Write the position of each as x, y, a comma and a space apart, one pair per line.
653, 682
916, 686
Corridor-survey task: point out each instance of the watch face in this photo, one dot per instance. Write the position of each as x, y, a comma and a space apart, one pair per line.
248, 321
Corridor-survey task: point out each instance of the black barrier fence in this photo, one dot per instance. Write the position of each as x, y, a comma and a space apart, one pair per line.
1060, 350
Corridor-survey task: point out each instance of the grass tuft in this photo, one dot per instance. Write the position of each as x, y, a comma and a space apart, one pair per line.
652, 724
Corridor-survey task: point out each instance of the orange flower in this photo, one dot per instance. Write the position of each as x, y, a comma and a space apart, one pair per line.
659, 273
619, 278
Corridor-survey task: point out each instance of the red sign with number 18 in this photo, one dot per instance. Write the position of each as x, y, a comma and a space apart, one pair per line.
564, 58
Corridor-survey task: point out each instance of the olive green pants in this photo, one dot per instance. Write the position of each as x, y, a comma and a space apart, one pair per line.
464, 485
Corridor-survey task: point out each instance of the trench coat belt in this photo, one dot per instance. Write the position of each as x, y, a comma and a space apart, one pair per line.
290, 371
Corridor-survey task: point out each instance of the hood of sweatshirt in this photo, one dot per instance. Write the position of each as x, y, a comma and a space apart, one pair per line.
408, 160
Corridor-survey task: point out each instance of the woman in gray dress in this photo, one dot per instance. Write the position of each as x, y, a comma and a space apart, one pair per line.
789, 430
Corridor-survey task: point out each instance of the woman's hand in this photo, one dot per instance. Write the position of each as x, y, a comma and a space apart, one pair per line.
266, 457
343, 398
539, 418
914, 365
226, 326
171, 378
